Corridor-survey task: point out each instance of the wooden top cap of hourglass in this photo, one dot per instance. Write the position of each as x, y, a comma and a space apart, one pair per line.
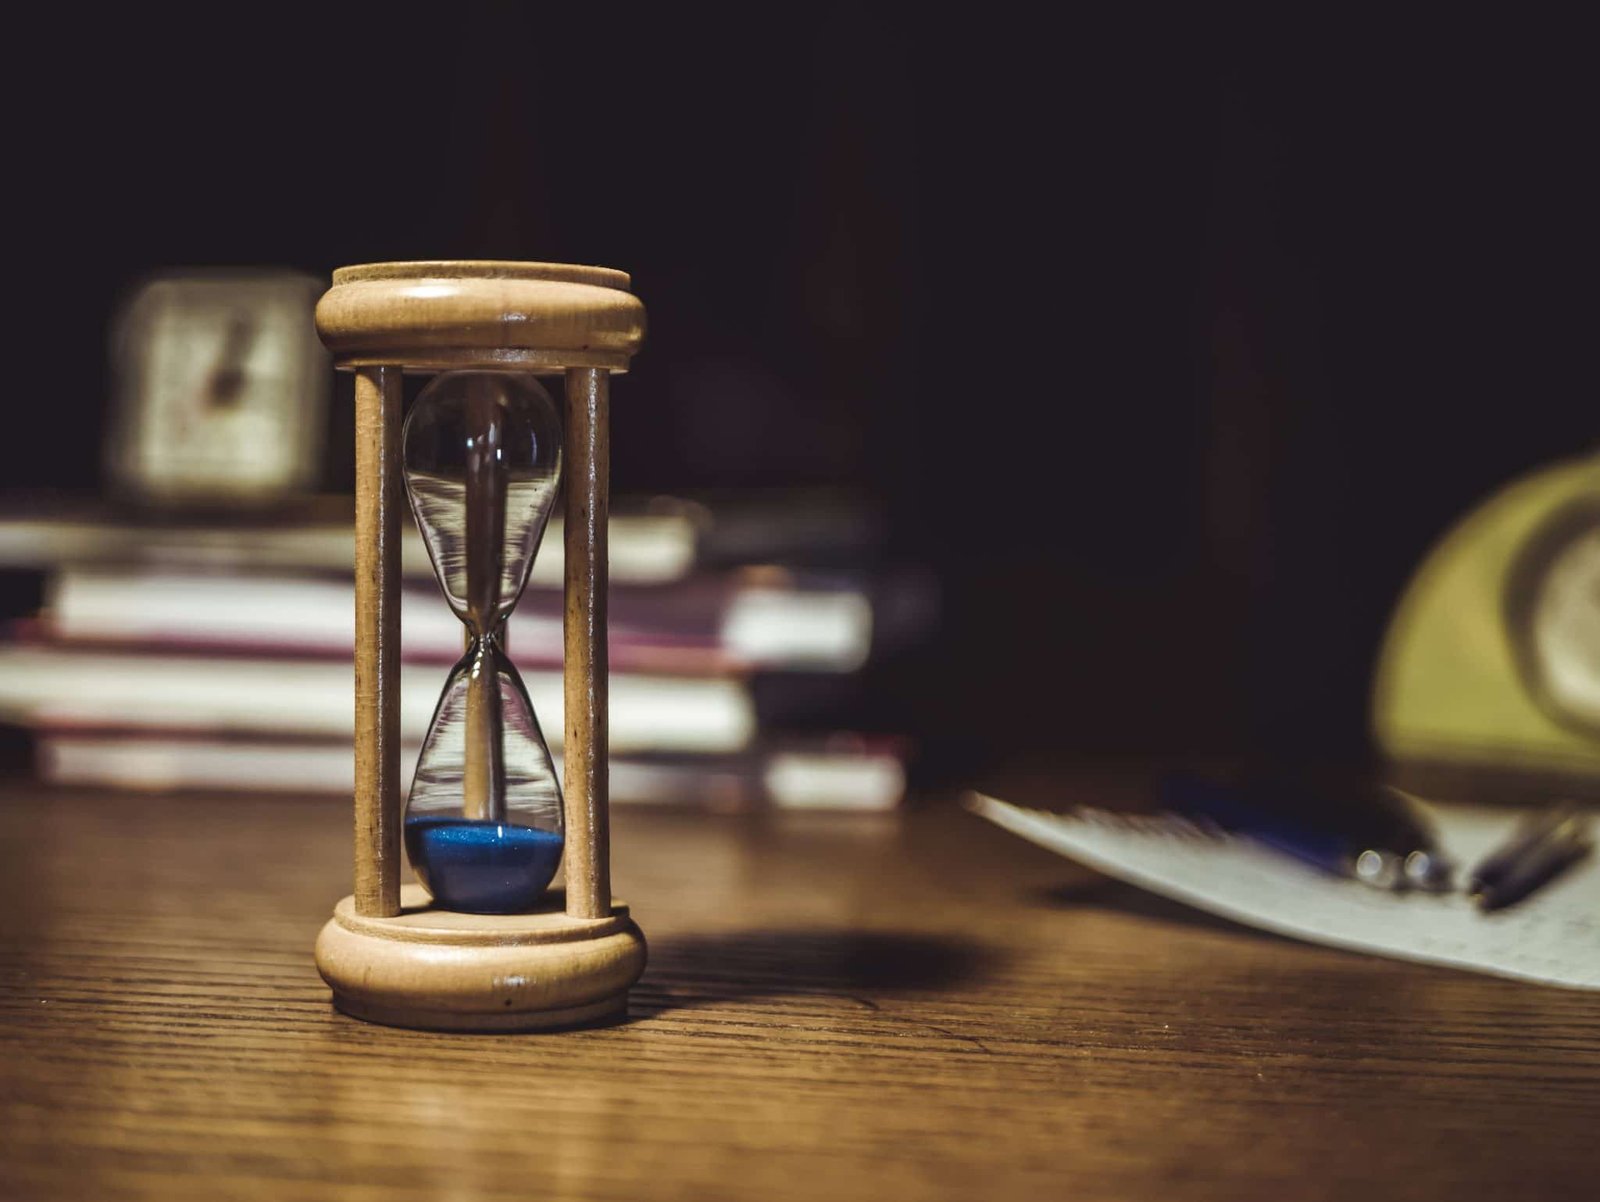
441, 315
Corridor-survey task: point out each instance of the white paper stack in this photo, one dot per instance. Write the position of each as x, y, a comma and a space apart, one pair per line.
1552, 936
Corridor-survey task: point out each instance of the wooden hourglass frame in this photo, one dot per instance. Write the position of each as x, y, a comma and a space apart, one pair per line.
388, 953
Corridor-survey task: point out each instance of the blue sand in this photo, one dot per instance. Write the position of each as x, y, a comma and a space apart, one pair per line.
482, 867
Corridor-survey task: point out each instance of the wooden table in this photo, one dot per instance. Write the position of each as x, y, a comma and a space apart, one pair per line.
916, 1007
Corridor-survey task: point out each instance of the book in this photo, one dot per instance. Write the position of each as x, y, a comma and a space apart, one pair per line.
727, 622
644, 548
44, 687
840, 773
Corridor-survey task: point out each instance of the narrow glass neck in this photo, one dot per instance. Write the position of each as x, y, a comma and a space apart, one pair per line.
472, 641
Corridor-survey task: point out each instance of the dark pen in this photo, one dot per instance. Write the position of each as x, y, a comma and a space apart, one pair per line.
1539, 849
1365, 832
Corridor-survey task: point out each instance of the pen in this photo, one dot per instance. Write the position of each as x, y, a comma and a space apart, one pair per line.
1368, 833
1538, 849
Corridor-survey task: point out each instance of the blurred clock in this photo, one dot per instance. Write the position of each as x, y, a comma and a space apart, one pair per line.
1492, 658
1553, 611
222, 390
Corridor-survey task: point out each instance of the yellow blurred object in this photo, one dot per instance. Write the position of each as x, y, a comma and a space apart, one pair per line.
1492, 659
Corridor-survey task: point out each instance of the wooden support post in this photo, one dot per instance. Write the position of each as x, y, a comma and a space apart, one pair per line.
380, 495
586, 748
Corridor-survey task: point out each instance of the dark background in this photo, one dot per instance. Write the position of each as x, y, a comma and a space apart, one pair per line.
1171, 343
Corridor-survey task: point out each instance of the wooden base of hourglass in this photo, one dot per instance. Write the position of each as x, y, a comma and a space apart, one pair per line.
442, 971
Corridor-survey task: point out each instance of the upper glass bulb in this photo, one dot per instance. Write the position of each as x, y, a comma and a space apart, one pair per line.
482, 462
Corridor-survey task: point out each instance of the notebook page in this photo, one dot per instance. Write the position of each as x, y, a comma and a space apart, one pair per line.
1552, 936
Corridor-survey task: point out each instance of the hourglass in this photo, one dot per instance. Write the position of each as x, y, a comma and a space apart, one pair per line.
482, 942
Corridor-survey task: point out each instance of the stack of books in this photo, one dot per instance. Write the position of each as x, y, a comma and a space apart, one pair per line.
217, 656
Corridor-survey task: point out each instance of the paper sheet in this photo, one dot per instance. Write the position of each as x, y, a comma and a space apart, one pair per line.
1552, 936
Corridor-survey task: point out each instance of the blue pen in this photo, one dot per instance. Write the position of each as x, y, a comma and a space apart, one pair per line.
1369, 835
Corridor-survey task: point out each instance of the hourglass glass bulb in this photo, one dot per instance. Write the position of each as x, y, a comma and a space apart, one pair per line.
482, 460
482, 456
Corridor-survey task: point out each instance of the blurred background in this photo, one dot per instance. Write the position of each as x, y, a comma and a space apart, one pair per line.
1128, 368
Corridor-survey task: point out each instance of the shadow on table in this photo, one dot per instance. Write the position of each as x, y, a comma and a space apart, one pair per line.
857, 968
1099, 893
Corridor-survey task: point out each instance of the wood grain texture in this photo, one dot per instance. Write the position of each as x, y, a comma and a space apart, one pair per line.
483, 269
587, 749
442, 971
380, 497
436, 316
836, 1008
